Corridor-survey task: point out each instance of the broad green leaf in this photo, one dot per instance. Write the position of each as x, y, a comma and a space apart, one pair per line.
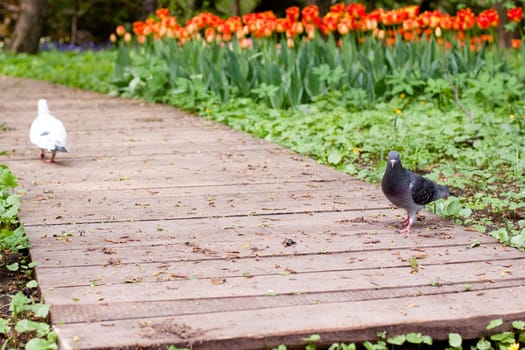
18, 302
418, 338
335, 157
519, 325
454, 340
494, 323
40, 344
4, 326
313, 338
13, 267
40, 310
7, 179
483, 344
397, 340
32, 284
368, 345
503, 337
427, 340
25, 325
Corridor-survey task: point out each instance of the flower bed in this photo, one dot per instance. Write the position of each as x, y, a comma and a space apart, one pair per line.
407, 23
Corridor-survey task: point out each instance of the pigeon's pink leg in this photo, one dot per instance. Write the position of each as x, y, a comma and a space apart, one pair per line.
408, 224
406, 229
52, 160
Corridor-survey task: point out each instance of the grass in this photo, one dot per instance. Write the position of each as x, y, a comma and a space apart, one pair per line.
86, 70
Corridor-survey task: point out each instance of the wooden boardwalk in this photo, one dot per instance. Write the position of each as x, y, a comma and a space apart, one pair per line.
163, 228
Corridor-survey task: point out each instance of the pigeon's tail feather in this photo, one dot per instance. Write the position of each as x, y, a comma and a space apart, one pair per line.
443, 191
42, 107
61, 149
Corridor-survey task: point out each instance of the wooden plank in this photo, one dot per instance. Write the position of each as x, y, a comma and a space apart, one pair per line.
293, 189
183, 262
108, 312
177, 169
239, 286
207, 205
336, 230
119, 138
267, 328
92, 149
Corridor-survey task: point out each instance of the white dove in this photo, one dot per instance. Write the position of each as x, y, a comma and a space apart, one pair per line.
48, 133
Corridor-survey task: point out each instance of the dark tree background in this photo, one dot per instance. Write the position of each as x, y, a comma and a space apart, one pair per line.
28, 29
91, 21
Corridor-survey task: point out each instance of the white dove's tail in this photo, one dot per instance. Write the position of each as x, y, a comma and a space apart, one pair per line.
42, 107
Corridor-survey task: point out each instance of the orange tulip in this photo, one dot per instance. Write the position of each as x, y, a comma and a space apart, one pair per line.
310, 14
162, 13
209, 34
121, 30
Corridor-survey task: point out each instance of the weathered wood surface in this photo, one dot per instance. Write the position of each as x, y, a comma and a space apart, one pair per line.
162, 228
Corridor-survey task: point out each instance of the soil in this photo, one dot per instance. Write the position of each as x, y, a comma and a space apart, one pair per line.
12, 283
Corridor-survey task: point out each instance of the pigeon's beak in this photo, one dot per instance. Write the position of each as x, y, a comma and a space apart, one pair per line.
392, 162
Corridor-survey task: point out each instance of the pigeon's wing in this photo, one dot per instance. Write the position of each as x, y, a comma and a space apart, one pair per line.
423, 190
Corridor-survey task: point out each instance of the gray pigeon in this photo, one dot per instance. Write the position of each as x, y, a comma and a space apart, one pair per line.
408, 190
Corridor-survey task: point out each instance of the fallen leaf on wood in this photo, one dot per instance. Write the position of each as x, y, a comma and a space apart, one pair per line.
133, 280
112, 261
107, 250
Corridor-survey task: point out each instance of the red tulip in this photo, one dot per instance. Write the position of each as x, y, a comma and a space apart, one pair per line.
515, 14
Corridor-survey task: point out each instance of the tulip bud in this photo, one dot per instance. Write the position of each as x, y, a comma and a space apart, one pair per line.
121, 30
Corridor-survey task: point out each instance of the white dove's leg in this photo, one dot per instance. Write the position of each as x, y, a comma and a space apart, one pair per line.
52, 159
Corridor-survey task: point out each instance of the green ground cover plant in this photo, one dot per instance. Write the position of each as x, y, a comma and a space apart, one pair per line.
23, 321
